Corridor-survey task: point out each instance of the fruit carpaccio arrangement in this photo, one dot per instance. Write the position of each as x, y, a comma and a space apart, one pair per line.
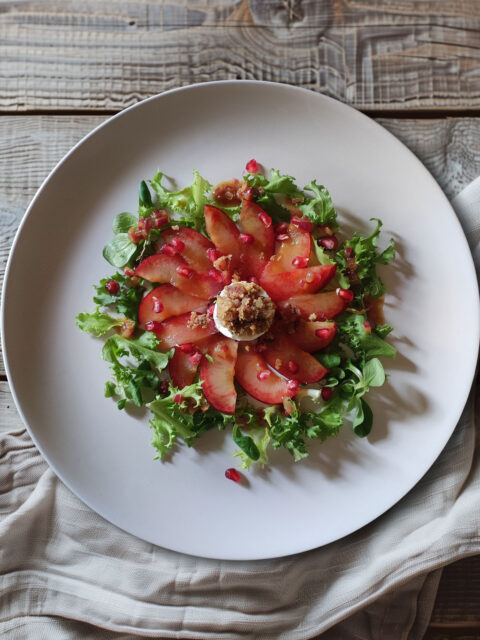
242, 306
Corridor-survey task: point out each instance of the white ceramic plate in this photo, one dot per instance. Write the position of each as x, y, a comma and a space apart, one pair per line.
57, 375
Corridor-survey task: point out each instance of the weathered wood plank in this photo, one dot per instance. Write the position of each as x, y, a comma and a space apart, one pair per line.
31, 145
105, 54
458, 598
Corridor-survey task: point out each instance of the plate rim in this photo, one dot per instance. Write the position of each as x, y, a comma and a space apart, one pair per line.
471, 365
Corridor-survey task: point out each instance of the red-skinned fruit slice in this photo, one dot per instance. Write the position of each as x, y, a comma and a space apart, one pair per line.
298, 245
288, 359
173, 302
223, 233
324, 305
163, 268
271, 390
175, 331
312, 336
217, 376
182, 368
252, 220
281, 286
195, 250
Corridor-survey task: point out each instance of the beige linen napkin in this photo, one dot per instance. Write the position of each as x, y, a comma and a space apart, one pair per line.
67, 573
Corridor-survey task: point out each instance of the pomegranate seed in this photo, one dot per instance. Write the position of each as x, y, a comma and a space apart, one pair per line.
213, 254
293, 386
195, 358
282, 236
323, 334
328, 243
281, 227
345, 294
157, 305
188, 347
160, 218
178, 398
184, 271
348, 252
299, 262
252, 166
152, 325
246, 238
216, 275
303, 224
327, 393
253, 279
248, 193
211, 310
310, 277
303, 284
367, 326
168, 250
112, 287
233, 474
267, 221
177, 244
292, 366
264, 375
129, 272
163, 387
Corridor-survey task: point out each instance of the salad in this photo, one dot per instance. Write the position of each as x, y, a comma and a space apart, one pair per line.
242, 307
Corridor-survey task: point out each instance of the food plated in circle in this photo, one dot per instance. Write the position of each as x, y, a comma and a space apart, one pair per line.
243, 307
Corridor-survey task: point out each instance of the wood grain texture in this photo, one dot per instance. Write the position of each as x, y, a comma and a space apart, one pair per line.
99, 54
30, 146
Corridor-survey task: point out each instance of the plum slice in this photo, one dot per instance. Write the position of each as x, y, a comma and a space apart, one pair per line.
252, 373
176, 330
281, 286
218, 374
313, 335
323, 306
166, 301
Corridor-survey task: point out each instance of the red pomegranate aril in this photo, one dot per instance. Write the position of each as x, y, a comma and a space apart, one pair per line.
127, 329
248, 193
253, 279
163, 387
178, 398
345, 294
281, 227
188, 347
216, 275
310, 277
292, 366
327, 393
160, 218
348, 252
177, 244
328, 243
129, 272
195, 358
233, 474
323, 334
152, 325
133, 235
157, 305
252, 166
263, 375
213, 254
246, 238
293, 386
184, 271
211, 310
303, 283
299, 262
367, 326
168, 250
112, 287
266, 219
282, 236
303, 224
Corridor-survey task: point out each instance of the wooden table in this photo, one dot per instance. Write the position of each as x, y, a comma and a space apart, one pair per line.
414, 65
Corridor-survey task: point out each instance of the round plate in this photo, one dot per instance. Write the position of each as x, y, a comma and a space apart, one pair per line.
104, 455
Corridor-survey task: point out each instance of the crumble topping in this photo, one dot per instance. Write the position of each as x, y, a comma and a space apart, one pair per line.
198, 320
244, 310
